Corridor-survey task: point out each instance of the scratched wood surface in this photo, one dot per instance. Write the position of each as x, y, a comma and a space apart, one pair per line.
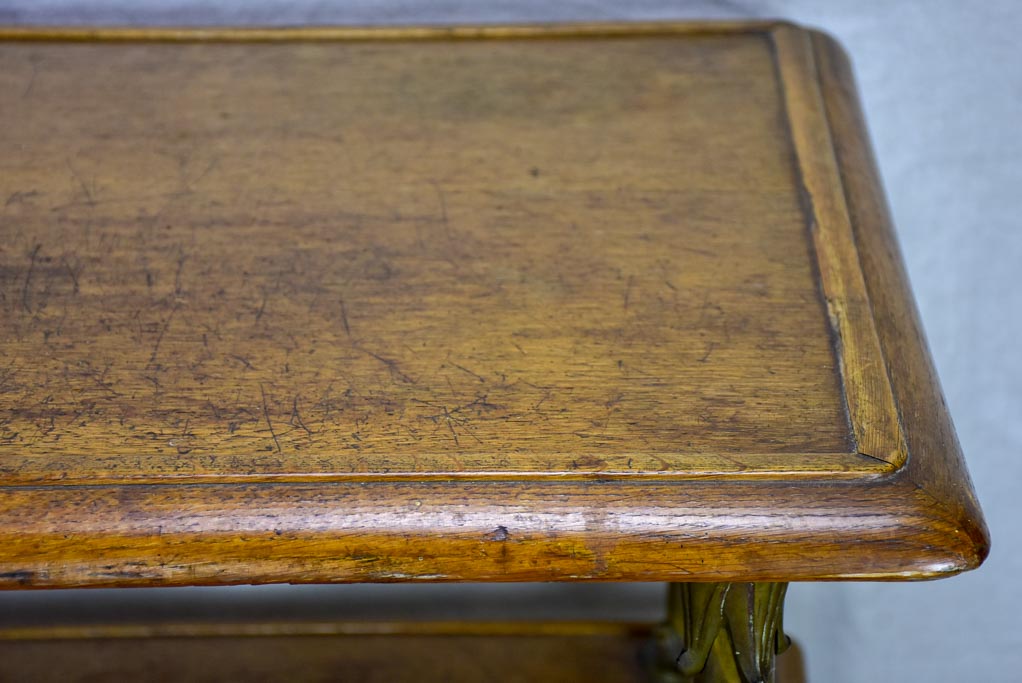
420, 257
584, 303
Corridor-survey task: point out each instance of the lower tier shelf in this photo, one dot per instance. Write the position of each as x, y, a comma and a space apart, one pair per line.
363, 652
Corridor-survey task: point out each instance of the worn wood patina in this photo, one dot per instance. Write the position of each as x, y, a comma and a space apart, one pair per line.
472, 304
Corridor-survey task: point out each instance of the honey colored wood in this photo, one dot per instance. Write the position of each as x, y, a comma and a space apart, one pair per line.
451, 271
604, 303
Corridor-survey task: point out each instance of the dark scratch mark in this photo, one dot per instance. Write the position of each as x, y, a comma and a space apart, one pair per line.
215, 331
163, 331
31, 80
540, 402
19, 197
90, 199
262, 307
628, 368
266, 416
520, 349
443, 210
467, 371
128, 198
296, 417
28, 279
177, 273
454, 416
391, 364
450, 427
480, 402
105, 386
85, 411
73, 273
242, 360
700, 252
344, 318
183, 448
709, 349
188, 184
628, 291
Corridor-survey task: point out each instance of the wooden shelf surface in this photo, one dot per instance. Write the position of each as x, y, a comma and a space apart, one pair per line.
424, 652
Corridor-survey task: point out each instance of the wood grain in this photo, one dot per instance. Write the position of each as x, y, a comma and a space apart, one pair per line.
619, 307
451, 269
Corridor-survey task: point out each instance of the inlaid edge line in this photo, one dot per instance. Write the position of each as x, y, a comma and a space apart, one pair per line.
827, 466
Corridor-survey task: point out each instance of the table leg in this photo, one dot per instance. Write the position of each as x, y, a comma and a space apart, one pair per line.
721, 633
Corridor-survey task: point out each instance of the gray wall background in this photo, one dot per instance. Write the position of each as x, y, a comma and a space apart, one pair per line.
941, 83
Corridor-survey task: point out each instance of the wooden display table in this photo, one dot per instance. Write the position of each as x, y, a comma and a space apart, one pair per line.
595, 303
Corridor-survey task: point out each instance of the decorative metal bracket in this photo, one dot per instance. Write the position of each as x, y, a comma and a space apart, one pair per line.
721, 633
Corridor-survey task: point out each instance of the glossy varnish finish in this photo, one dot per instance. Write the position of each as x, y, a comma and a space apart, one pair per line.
509, 304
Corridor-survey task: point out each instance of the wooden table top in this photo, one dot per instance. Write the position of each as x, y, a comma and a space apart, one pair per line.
591, 302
